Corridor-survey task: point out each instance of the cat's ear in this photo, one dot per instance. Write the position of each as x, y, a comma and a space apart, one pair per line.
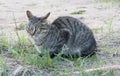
46, 16
29, 14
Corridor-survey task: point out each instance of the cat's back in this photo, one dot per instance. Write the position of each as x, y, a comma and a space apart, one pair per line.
65, 19
80, 40
71, 23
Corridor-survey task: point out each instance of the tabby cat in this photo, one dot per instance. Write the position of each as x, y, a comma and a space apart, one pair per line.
65, 34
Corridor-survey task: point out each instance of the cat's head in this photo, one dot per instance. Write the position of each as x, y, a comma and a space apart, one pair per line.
36, 25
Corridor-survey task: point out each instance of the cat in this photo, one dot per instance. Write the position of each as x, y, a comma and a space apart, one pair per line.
65, 34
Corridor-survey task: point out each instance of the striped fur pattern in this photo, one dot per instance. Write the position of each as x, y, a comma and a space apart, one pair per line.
66, 34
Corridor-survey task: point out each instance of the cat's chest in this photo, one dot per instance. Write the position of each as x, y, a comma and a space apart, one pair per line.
42, 40
37, 39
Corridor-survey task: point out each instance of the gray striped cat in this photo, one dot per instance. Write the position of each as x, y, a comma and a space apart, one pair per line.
65, 34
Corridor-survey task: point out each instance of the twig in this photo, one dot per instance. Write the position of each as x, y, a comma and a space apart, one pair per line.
113, 67
71, 63
67, 60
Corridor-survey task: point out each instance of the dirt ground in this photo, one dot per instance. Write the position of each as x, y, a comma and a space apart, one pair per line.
96, 16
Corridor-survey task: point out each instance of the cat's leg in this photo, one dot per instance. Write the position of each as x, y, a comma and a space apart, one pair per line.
86, 49
69, 52
55, 51
89, 48
38, 48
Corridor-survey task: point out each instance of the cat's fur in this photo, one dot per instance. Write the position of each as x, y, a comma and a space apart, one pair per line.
66, 34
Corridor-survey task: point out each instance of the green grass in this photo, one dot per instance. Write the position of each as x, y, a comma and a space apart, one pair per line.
78, 12
115, 2
110, 26
109, 0
3, 62
21, 26
24, 53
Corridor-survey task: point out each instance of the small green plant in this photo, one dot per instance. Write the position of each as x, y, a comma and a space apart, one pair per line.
110, 26
3, 44
110, 1
43, 62
21, 26
98, 30
3, 62
105, 0
78, 12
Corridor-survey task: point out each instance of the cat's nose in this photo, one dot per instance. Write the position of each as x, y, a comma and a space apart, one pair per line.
30, 32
